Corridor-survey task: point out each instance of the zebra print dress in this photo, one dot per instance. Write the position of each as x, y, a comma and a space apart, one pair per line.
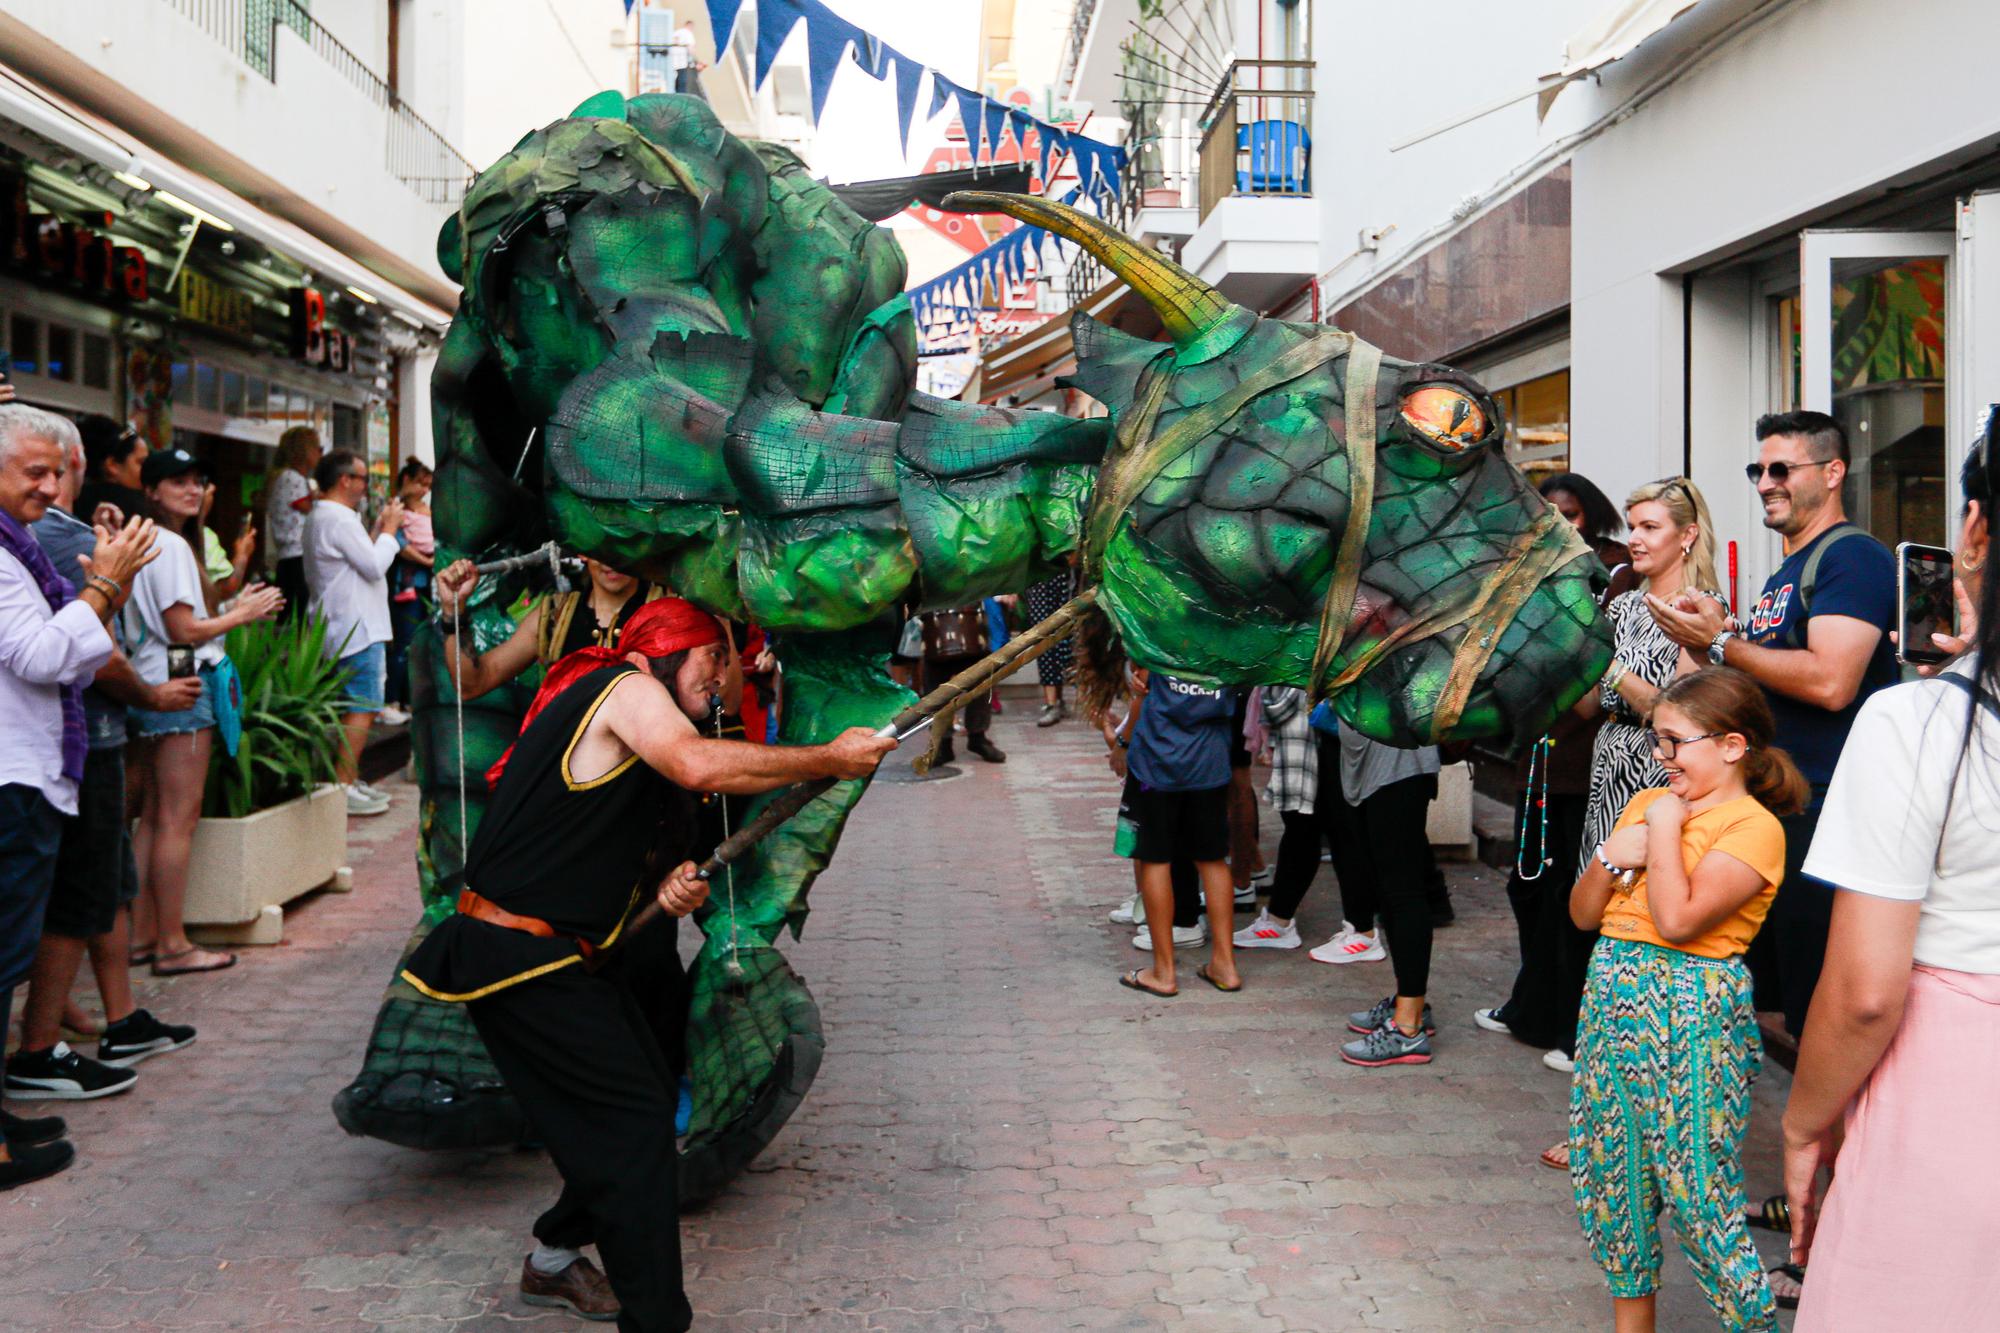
1621, 760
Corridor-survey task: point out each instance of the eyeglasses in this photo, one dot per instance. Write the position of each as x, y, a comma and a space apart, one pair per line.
1669, 746
1779, 471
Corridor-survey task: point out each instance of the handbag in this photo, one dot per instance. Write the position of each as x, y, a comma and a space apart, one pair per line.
911, 644
1322, 718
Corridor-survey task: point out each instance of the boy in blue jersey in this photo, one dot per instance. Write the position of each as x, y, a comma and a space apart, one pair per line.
1174, 746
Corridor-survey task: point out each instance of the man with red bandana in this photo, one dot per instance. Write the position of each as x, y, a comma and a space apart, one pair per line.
589, 810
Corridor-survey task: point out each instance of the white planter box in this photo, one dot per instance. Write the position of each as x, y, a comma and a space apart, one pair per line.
242, 866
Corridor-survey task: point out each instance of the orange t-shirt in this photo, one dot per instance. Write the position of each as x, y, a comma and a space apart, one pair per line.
1742, 828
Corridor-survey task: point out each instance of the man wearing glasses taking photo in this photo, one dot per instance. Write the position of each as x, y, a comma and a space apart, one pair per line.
1817, 640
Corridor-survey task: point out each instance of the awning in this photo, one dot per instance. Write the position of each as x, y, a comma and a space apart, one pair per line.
1611, 36
1043, 351
882, 199
55, 119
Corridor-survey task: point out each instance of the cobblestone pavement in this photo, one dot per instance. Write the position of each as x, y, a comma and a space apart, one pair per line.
1000, 1136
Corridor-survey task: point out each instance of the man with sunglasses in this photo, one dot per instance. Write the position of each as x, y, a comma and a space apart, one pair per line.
1817, 640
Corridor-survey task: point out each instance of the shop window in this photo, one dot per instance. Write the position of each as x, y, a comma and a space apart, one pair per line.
1888, 391
1538, 424
24, 346
96, 361
254, 400
62, 353
232, 393
207, 387
183, 382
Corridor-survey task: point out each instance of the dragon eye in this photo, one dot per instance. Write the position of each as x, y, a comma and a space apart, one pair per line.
1446, 416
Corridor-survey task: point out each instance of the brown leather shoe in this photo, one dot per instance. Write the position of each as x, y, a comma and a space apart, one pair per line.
579, 1288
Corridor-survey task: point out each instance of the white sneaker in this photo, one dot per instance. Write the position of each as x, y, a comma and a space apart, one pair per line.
1131, 912
394, 716
1490, 1020
1261, 881
1350, 946
1185, 937
1247, 895
1559, 1062
360, 802
1266, 933
369, 789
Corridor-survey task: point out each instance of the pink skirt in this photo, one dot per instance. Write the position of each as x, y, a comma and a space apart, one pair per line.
1911, 1227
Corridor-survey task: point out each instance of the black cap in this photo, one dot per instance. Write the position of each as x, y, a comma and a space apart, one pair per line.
165, 463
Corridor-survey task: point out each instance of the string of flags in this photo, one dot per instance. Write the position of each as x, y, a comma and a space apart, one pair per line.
960, 289
830, 39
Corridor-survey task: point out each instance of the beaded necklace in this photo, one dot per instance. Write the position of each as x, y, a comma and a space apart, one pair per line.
1537, 800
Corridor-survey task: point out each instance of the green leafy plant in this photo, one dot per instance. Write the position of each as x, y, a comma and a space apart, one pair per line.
291, 719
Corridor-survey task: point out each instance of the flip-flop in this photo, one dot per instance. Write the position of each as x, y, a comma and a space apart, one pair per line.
1775, 1214
1796, 1274
1555, 1157
1130, 980
1203, 973
229, 960
140, 957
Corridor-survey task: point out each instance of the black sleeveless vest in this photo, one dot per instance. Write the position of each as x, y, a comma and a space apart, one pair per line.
580, 855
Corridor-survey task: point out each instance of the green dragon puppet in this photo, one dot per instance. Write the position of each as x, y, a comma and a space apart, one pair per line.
680, 354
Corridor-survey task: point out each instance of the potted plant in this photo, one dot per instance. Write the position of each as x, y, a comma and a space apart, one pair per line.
273, 823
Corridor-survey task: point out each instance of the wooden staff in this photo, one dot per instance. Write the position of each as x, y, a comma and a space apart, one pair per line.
981, 676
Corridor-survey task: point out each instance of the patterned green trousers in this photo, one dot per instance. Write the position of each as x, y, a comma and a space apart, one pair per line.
1666, 1051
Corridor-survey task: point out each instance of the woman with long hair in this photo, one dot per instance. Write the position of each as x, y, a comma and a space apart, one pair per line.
1553, 792
1898, 1072
169, 608
287, 501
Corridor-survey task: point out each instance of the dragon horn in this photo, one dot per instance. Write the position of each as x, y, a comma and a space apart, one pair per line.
1186, 305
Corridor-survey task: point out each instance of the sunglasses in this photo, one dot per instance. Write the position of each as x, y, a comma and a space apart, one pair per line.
1669, 746
1780, 472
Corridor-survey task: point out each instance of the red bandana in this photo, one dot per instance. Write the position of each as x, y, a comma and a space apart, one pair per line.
660, 628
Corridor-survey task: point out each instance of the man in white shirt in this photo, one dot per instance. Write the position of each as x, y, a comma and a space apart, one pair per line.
52, 641
348, 575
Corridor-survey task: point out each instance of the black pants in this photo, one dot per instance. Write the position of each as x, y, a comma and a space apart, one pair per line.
292, 583
1386, 868
1801, 915
1542, 1009
1298, 863
978, 713
591, 1060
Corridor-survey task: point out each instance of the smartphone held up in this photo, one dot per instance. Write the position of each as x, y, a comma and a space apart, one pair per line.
1924, 603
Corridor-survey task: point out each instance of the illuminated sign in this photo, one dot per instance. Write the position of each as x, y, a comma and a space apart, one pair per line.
312, 341
67, 251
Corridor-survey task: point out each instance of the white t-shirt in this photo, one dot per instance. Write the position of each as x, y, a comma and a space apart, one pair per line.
172, 579
1879, 832
284, 525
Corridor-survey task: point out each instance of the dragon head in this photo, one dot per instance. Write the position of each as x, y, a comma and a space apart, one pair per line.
1282, 502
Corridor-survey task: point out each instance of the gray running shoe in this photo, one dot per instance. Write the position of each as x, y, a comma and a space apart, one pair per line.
1368, 1020
1388, 1045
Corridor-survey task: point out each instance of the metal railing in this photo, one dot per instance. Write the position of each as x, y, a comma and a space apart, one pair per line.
1079, 33
1256, 132
413, 151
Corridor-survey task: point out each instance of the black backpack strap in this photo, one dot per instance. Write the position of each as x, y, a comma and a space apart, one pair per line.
1795, 629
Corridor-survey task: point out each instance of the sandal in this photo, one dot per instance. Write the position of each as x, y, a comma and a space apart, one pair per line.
161, 970
1774, 1215
140, 957
1130, 980
1792, 1271
1556, 1157
1205, 975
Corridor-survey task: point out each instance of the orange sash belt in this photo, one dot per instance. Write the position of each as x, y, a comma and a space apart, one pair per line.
483, 909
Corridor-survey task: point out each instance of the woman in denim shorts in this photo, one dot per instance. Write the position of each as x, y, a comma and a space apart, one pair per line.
170, 605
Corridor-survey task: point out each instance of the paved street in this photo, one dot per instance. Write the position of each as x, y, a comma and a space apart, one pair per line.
1000, 1136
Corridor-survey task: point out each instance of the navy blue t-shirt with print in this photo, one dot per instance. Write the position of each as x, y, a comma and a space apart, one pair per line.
1181, 741
1857, 578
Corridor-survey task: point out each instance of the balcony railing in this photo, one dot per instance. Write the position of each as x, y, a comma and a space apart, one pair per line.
1256, 132
413, 152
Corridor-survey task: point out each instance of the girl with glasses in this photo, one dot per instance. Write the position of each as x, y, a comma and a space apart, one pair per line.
1668, 1046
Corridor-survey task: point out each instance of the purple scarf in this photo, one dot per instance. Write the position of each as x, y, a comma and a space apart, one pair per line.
19, 543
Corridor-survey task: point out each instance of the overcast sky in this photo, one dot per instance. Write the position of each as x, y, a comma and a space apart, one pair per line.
858, 137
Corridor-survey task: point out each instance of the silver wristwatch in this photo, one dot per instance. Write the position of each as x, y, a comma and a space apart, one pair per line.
1715, 645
